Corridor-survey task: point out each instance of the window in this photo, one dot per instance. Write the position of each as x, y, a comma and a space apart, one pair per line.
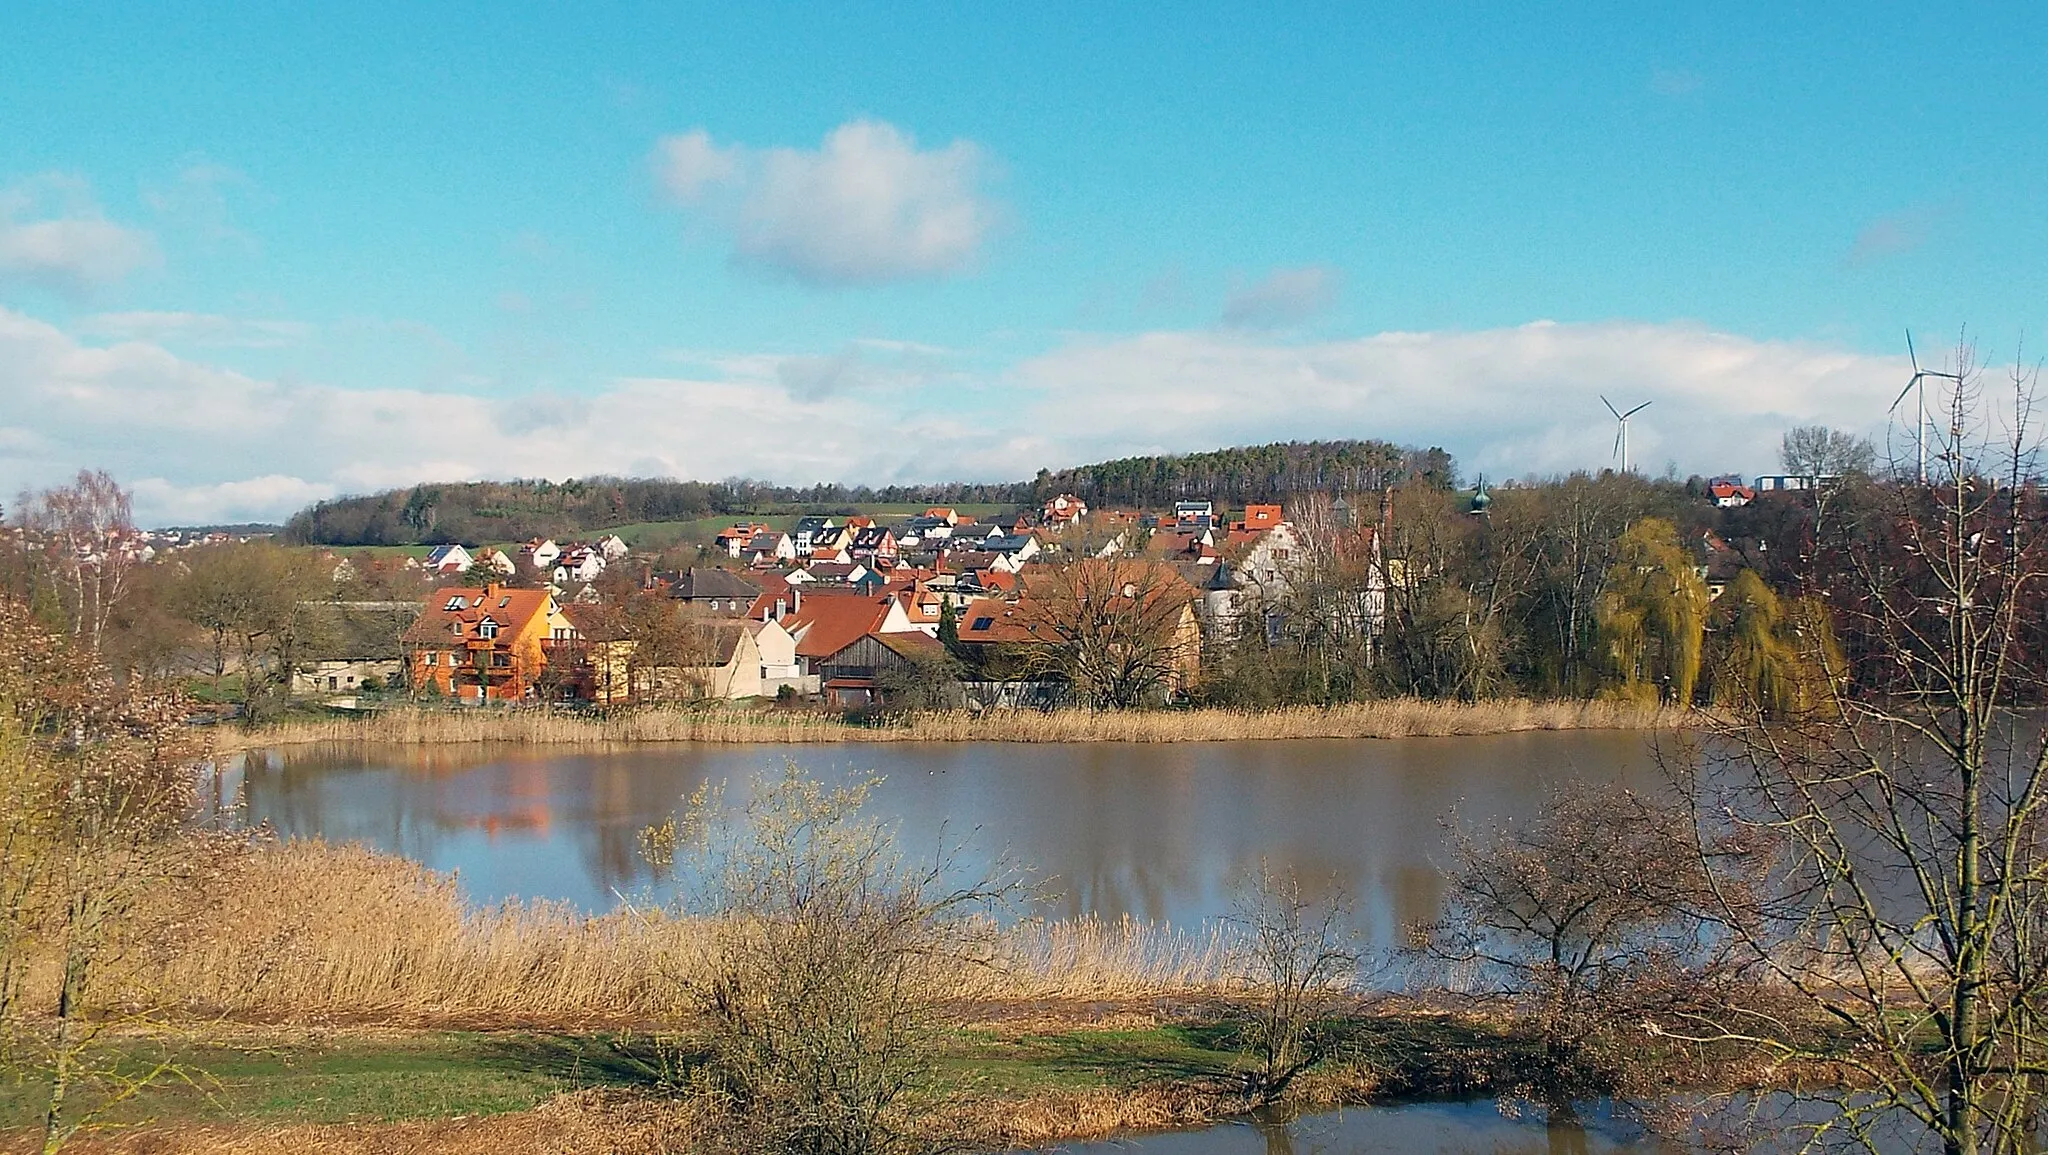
487, 629
503, 602
454, 603
982, 623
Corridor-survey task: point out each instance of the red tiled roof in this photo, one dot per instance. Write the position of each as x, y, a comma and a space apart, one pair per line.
826, 625
512, 610
992, 620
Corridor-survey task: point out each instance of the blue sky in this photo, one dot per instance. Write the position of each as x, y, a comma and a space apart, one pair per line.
249, 259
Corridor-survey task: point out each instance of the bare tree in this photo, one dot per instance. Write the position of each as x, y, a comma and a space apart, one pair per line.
831, 957
1297, 958
1909, 915
251, 602
83, 530
1816, 451
1121, 631
95, 788
1585, 922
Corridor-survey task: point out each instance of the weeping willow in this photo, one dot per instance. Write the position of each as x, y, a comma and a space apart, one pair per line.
1653, 616
1775, 657
1758, 663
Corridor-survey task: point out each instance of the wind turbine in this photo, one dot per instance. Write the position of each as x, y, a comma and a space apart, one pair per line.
1621, 435
1917, 385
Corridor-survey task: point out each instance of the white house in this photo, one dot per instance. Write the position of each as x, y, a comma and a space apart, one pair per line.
613, 547
779, 665
1066, 509
807, 531
540, 553
449, 559
584, 564
769, 547
1266, 558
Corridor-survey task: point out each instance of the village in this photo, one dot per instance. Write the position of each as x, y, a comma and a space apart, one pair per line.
941, 608
835, 609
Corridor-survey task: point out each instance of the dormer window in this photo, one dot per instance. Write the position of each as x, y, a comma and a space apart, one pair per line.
487, 629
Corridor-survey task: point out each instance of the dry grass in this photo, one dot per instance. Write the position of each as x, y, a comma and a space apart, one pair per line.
309, 933
616, 1123
1094, 1113
596, 1122
1392, 718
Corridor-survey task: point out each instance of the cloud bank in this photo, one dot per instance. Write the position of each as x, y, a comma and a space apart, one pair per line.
201, 443
868, 206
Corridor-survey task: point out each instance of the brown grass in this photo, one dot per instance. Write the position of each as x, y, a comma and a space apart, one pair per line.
309, 933
625, 1123
597, 1122
1391, 718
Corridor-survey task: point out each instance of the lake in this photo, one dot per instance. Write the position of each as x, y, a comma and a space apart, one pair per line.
1156, 832
1455, 1128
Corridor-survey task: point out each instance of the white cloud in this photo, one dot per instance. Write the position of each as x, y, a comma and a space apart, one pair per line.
210, 330
1283, 297
867, 206
1506, 401
689, 165
53, 235
253, 499
200, 443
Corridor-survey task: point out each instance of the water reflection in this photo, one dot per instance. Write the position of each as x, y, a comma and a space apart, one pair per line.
1774, 1125
1154, 832
1467, 1128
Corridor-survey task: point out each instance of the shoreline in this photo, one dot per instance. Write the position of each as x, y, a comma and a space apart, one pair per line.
333, 999
1389, 718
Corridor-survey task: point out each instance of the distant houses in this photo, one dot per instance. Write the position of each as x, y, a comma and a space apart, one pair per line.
840, 610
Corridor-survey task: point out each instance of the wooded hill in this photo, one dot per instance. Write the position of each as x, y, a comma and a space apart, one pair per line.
487, 511
1249, 473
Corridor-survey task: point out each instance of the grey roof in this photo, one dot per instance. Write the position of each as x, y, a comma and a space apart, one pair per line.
698, 582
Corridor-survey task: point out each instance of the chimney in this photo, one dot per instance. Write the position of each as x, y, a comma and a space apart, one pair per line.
781, 607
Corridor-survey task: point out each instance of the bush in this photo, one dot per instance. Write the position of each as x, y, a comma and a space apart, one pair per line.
824, 994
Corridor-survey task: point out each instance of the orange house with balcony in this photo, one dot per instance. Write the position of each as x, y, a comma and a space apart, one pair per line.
483, 645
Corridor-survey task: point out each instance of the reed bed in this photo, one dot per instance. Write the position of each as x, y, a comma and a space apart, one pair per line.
1390, 718
304, 932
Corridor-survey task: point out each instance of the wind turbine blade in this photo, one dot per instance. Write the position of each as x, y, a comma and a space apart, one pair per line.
1636, 410
1610, 406
1910, 354
1906, 390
